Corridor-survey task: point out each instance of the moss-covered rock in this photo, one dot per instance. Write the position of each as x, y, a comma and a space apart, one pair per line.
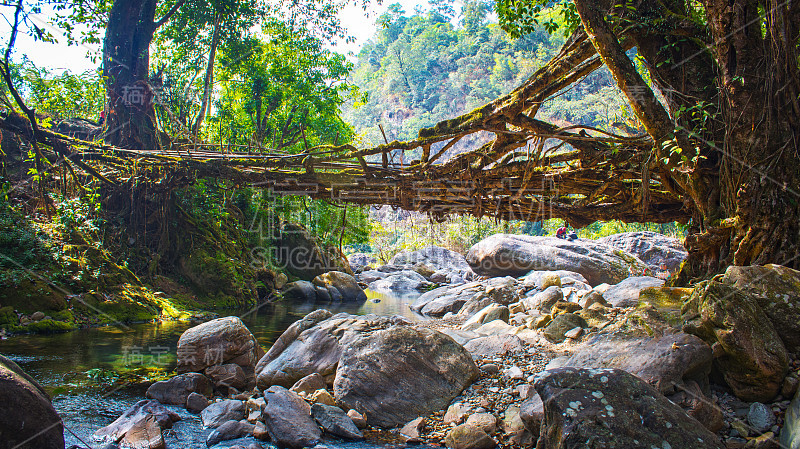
753, 360
31, 294
8, 317
667, 300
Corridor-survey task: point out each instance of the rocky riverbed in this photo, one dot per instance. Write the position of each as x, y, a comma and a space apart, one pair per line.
529, 342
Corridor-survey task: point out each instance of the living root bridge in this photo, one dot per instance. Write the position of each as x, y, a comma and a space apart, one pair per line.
531, 170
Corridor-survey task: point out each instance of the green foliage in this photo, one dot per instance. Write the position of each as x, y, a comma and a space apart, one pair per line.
601, 229
520, 17
63, 95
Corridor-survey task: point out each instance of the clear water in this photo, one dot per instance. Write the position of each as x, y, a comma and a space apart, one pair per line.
72, 366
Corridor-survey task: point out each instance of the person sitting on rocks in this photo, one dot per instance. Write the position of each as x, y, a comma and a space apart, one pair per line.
562, 232
572, 236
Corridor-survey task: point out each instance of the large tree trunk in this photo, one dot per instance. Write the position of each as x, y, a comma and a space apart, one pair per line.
208, 81
130, 112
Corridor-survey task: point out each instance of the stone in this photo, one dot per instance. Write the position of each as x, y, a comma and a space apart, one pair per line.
228, 375
565, 307
218, 342
659, 252
592, 298
483, 421
760, 417
323, 397
357, 418
441, 300
550, 279
341, 287
403, 283
515, 255
175, 391
300, 291
456, 413
790, 433
561, 324
536, 278
196, 402
412, 430
309, 384
396, 374
665, 362
311, 345
486, 315
437, 258
626, 293
514, 373
611, 408
359, 261
466, 437
544, 300
260, 431
753, 360
229, 430
370, 276
144, 434
218, 412
531, 413
496, 327
695, 403
335, 421
776, 289
765, 441
145, 410
288, 419
494, 345
490, 368
574, 333
27, 417
299, 254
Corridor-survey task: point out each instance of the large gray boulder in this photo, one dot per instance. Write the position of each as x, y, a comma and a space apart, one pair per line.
218, 342
338, 287
335, 421
313, 345
448, 298
221, 412
27, 418
288, 419
626, 293
300, 291
608, 409
666, 362
397, 374
440, 259
659, 252
403, 283
515, 255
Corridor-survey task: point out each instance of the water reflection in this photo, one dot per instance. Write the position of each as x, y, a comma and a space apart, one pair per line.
71, 365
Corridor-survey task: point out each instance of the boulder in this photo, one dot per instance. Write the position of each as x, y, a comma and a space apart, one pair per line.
400, 373
487, 314
358, 261
175, 391
196, 402
299, 254
484, 421
335, 421
790, 433
776, 289
144, 434
543, 279
666, 362
309, 384
612, 409
543, 300
532, 414
228, 375
437, 258
442, 300
412, 431
288, 419
494, 345
312, 345
219, 412
561, 324
79, 128
403, 283
752, 358
27, 418
300, 291
515, 255
659, 252
626, 293
229, 430
468, 437
340, 287
217, 342
142, 411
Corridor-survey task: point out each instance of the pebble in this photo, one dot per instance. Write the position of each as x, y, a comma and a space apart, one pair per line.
490, 368
760, 417
514, 373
